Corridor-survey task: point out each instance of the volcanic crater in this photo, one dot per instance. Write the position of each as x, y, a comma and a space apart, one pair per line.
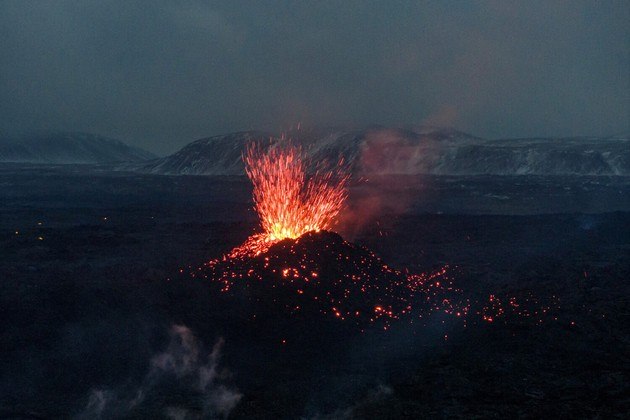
320, 272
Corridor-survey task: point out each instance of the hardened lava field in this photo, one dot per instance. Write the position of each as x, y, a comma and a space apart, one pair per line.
93, 290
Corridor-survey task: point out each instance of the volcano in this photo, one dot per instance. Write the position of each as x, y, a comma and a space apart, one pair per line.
320, 272
297, 266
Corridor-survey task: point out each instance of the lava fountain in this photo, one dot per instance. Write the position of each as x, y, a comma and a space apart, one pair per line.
290, 200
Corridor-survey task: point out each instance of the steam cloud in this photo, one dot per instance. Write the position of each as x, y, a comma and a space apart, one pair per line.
192, 385
383, 152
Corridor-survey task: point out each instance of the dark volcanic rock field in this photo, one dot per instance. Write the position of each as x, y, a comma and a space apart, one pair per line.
98, 320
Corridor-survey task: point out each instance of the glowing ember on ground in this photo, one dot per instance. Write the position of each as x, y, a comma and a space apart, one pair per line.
319, 272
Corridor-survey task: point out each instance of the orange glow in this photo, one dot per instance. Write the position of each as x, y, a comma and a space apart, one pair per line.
289, 200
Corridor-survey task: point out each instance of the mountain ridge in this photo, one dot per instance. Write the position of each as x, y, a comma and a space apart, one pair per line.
415, 150
69, 148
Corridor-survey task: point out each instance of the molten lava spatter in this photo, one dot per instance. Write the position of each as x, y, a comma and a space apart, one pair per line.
289, 200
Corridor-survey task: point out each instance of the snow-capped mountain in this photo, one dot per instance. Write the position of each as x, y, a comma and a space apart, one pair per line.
218, 155
63, 148
416, 150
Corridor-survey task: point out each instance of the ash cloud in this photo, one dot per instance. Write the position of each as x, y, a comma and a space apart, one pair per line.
188, 382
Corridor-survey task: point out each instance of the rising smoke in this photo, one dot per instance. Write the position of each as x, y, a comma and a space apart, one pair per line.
189, 384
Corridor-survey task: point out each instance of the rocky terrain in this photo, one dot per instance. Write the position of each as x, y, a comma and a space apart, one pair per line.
101, 317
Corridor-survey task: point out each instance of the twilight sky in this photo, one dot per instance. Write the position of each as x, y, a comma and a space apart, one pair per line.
159, 74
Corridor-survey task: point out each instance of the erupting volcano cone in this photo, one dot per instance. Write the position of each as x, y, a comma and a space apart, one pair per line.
308, 268
296, 266
322, 273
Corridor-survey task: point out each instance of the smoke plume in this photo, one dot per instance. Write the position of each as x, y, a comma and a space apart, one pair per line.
182, 382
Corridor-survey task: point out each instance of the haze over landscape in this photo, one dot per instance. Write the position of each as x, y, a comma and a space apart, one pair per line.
159, 75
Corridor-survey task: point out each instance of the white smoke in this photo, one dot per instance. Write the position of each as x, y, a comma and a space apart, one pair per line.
182, 368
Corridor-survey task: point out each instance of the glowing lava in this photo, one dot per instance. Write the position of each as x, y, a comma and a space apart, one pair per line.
289, 200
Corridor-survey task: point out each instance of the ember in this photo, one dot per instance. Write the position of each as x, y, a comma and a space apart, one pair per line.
319, 272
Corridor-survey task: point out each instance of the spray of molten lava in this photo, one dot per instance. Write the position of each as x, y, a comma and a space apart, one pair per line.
290, 200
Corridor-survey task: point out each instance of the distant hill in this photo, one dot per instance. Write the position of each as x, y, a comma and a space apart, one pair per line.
64, 148
416, 150
219, 155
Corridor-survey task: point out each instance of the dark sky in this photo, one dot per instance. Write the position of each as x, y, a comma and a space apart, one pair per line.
159, 74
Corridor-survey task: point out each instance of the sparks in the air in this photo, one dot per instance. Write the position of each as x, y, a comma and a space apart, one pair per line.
291, 197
